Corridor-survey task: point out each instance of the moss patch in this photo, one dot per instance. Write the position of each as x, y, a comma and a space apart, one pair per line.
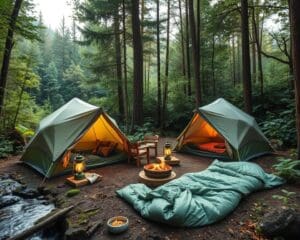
72, 192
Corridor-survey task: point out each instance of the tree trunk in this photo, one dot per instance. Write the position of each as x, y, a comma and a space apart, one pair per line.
294, 8
253, 45
213, 66
238, 67
148, 73
291, 70
233, 61
253, 63
26, 77
196, 53
187, 44
246, 57
7, 51
142, 33
165, 95
137, 111
63, 52
125, 91
182, 41
145, 76
198, 27
142, 15
119, 64
258, 42
158, 65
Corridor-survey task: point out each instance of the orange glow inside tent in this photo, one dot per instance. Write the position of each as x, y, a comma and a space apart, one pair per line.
200, 131
101, 130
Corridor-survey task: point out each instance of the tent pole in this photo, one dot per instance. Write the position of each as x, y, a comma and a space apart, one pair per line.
44, 179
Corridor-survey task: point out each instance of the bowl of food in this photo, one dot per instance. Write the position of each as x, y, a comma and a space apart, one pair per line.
117, 224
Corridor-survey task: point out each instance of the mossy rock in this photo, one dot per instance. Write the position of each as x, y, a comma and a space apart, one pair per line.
72, 192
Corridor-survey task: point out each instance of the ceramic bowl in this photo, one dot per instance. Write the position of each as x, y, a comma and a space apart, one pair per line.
119, 227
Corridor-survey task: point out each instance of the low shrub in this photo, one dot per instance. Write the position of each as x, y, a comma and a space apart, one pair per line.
288, 168
6, 147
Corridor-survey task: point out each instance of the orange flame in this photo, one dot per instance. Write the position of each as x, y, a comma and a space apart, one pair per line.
159, 166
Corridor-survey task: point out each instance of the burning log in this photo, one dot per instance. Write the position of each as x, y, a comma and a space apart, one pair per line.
158, 170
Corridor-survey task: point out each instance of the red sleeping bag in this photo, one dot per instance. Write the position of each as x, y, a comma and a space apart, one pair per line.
215, 147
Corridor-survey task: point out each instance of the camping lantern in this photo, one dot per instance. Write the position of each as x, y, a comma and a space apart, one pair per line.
167, 151
79, 167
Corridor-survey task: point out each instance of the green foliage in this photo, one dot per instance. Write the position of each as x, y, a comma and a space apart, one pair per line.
259, 209
180, 108
6, 147
280, 126
72, 79
141, 131
275, 113
285, 198
72, 192
288, 168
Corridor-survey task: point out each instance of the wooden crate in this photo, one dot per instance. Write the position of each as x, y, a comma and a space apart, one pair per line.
77, 183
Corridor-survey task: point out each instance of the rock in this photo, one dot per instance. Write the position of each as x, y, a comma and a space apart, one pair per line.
41, 198
281, 223
44, 190
7, 186
75, 234
8, 200
54, 192
153, 237
27, 193
4, 176
57, 229
139, 238
127, 236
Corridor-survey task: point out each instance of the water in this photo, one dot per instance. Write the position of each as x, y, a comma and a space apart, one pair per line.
21, 215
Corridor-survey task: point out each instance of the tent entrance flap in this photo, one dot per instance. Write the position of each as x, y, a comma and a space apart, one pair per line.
100, 130
200, 131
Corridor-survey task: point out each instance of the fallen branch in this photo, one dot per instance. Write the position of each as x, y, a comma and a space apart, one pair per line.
46, 221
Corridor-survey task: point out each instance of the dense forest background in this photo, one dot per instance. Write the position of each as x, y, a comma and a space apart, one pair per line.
150, 63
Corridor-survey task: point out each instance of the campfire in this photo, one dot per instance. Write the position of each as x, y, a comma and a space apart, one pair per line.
158, 170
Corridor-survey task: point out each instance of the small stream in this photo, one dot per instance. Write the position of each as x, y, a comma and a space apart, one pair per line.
18, 213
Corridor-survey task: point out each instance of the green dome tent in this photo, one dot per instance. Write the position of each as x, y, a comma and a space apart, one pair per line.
75, 127
221, 130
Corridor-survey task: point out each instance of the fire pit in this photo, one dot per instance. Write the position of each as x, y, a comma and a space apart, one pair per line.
155, 174
157, 170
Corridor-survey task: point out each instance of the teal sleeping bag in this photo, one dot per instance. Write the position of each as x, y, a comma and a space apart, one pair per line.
201, 198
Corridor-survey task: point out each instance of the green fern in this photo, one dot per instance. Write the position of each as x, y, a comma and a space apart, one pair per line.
288, 168
285, 197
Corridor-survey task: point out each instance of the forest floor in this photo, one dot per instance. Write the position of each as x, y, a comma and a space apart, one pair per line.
99, 201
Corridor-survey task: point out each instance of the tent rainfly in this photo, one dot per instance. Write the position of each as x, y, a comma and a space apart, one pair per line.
78, 127
221, 130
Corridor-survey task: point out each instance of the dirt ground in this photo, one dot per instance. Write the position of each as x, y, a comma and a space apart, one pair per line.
100, 202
